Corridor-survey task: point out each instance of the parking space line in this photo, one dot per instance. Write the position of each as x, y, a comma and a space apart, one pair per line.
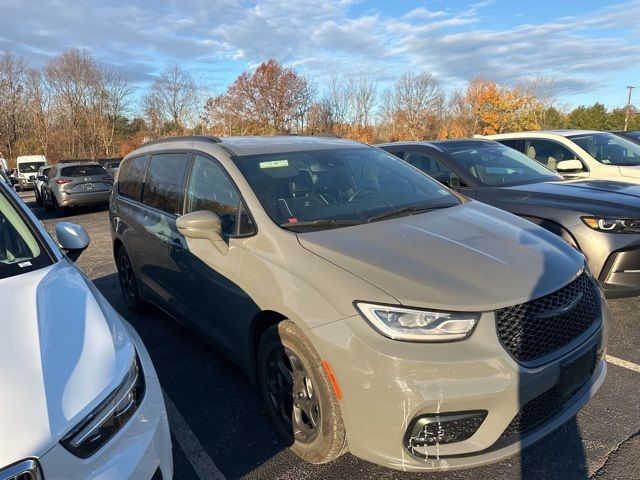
623, 363
193, 449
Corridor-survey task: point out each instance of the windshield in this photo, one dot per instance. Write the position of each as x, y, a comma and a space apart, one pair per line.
496, 165
608, 148
339, 187
29, 167
20, 250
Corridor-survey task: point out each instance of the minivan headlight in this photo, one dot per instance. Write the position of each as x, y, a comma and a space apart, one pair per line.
415, 325
613, 225
109, 417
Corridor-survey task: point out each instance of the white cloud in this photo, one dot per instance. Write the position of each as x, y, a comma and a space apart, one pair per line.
324, 37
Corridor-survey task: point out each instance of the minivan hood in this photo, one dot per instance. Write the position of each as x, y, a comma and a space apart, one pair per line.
472, 257
60, 357
599, 197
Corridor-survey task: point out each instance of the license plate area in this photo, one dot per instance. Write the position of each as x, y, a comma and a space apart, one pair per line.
575, 373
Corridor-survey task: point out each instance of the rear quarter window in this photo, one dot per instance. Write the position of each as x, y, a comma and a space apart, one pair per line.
131, 177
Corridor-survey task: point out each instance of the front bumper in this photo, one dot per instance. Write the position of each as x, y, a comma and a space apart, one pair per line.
81, 199
386, 384
614, 258
25, 183
137, 452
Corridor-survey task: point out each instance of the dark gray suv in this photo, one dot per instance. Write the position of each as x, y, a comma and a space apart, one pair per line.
601, 218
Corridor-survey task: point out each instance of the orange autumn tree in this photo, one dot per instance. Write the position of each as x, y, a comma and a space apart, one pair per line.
498, 109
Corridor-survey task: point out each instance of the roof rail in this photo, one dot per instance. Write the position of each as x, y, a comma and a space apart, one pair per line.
193, 138
312, 134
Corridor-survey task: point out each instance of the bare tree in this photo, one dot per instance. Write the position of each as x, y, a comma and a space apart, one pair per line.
13, 119
363, 96
172, 101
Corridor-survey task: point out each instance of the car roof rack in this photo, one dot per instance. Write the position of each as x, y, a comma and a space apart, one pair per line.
312, 134
192, 138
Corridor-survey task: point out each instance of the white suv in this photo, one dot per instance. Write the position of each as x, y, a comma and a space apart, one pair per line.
79, 395
579, 153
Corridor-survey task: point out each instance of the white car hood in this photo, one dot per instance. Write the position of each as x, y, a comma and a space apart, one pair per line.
60, 356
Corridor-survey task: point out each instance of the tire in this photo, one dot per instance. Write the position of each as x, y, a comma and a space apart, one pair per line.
320, 435
128, 282
38, 198
48, 204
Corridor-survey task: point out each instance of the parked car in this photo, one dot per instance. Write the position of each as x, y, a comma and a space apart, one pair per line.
600, 218
26, 169
80, 397
41, 177
579, 153
376, 310
75, 185
633, 135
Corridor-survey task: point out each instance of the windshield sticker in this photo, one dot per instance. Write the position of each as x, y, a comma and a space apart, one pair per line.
275, 164
24, 264
441, 191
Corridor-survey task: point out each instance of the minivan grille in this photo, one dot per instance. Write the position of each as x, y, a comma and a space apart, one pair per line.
534, 329
25, 470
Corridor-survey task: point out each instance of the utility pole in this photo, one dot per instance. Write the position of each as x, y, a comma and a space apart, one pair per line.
626, 117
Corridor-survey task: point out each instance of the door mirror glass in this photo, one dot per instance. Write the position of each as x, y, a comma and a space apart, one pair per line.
41, 178
72, 238
569, 166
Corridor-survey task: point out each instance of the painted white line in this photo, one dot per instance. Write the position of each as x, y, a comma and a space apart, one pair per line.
193, 449
623, 363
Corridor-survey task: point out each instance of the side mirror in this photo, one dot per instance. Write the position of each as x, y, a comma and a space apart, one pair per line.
42, 178
72, 238
203, 224
569, 166
32, 177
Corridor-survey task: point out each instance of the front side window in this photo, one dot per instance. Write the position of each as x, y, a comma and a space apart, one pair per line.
496, 165
548, 152
130, 177
164, 180
609, 149
339, 187
432, 167
20, 250
211, 189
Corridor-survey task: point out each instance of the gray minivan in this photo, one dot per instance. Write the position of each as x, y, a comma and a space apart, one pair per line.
377, 311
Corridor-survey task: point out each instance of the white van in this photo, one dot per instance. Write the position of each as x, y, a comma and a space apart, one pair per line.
27, 167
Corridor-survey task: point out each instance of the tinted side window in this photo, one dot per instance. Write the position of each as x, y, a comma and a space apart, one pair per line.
432, 167
131, 177
210, 189
510, 143
164, 180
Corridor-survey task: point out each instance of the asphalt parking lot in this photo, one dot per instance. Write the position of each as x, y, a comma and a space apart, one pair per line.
221, 430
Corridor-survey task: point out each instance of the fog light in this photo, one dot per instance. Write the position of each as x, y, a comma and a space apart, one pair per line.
441, 429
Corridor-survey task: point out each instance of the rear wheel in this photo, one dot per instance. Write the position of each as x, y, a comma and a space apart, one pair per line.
128, 283
46, 200
299, 396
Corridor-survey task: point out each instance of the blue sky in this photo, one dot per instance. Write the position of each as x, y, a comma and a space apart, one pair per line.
590, 48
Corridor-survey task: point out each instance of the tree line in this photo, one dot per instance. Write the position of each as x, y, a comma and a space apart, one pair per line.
76, 108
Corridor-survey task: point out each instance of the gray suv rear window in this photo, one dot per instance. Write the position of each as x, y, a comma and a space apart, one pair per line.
164, 181
83, 171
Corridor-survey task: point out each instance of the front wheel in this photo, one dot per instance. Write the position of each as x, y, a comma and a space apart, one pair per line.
299, 395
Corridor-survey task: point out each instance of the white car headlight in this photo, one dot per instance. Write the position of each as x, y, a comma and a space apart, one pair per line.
109, 417
415, 325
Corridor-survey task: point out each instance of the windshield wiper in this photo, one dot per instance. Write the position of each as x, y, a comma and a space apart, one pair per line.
411, 209
330, 223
